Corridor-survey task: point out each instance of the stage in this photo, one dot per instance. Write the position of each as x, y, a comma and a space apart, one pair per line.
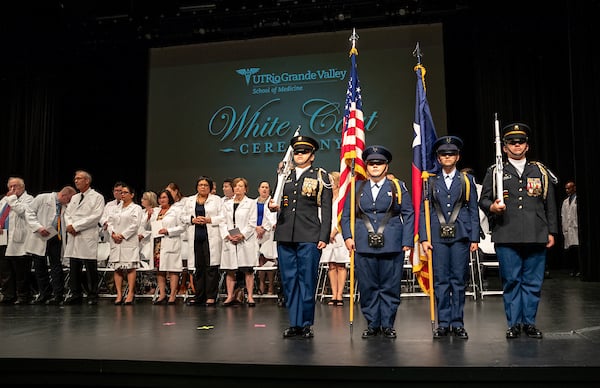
154, 346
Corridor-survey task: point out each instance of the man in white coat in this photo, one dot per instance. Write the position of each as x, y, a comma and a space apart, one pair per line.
15, 265
570, 228
46, 243
81, 219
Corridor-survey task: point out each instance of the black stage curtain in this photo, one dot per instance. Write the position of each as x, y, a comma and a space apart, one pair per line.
86, 108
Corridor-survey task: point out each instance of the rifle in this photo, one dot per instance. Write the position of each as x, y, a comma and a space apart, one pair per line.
283, 170
499, 166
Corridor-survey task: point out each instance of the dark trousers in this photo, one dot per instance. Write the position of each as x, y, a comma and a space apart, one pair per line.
15, 276
76, 277
206, 277
53, 283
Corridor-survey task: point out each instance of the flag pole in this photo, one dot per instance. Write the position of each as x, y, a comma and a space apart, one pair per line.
353, 39
425, 192
425, 176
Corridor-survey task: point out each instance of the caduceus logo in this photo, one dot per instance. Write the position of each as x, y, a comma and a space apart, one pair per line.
248, 72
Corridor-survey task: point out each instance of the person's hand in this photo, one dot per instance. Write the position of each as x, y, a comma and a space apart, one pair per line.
426, 245
497, 207
349, 244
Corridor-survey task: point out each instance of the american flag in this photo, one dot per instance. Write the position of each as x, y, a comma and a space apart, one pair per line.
353, 136
423, 160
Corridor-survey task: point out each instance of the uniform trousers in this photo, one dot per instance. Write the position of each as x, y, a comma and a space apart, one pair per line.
450, 265
379, 283
299, 269
522, 269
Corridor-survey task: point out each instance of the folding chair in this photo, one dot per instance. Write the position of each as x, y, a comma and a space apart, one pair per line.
486, 258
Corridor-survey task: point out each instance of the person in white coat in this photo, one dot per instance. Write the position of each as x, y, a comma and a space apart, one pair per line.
15, 264
267, 247
239, 241
123, 225
570, 228
202, 215
44, 216
81, 219
149, 201
166, 232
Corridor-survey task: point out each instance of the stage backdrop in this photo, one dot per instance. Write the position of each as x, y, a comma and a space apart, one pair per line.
230, 109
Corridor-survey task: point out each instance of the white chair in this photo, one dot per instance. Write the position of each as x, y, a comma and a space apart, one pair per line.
486, 258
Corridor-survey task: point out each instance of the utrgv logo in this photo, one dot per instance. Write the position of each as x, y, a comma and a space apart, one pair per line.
248, 73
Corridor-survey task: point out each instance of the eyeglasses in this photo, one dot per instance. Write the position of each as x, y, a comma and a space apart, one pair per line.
301, 152
125, 192
517, 141
375, 163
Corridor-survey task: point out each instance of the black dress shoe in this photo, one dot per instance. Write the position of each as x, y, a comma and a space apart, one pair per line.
532, 331
307, 332
130, 303
193, 302
389, 332
370, 333
251, 304
7, 299
513, 332
291, 331
460, 332
40, 300
73, 300
118, 302
210, 304
21, 301
440, 332
54, 301
160, 301
92, 301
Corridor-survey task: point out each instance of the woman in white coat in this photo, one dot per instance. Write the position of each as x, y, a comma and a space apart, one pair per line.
267, 247
239, 240
202, 215
123, 224
166, 230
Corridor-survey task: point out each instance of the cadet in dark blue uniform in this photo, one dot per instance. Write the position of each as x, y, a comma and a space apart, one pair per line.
384, 207
454, 215
303, 228
523, 228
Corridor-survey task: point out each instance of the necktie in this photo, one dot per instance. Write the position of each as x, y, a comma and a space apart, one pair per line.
448, 181
81, 199
58, 223
375, 190
4, 216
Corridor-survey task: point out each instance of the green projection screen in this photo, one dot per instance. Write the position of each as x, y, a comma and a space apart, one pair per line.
229, 109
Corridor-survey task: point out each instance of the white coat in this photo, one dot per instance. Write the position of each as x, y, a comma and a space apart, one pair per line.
244, 253
267, 245
125, 221
170, 246
40, 214
570, 226
212, 209
84, 216
146, 243
17, 223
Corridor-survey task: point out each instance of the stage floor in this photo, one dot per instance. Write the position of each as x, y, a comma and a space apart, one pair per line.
146, 345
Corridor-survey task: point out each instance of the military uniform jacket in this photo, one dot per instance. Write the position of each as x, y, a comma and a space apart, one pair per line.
300, 218
528, 218
467, 221
397, 233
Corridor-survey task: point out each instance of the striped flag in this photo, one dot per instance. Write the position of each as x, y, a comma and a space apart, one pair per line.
423, 160
353, 136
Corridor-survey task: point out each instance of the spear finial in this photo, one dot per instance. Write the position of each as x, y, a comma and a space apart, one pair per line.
353, 38
417, 53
